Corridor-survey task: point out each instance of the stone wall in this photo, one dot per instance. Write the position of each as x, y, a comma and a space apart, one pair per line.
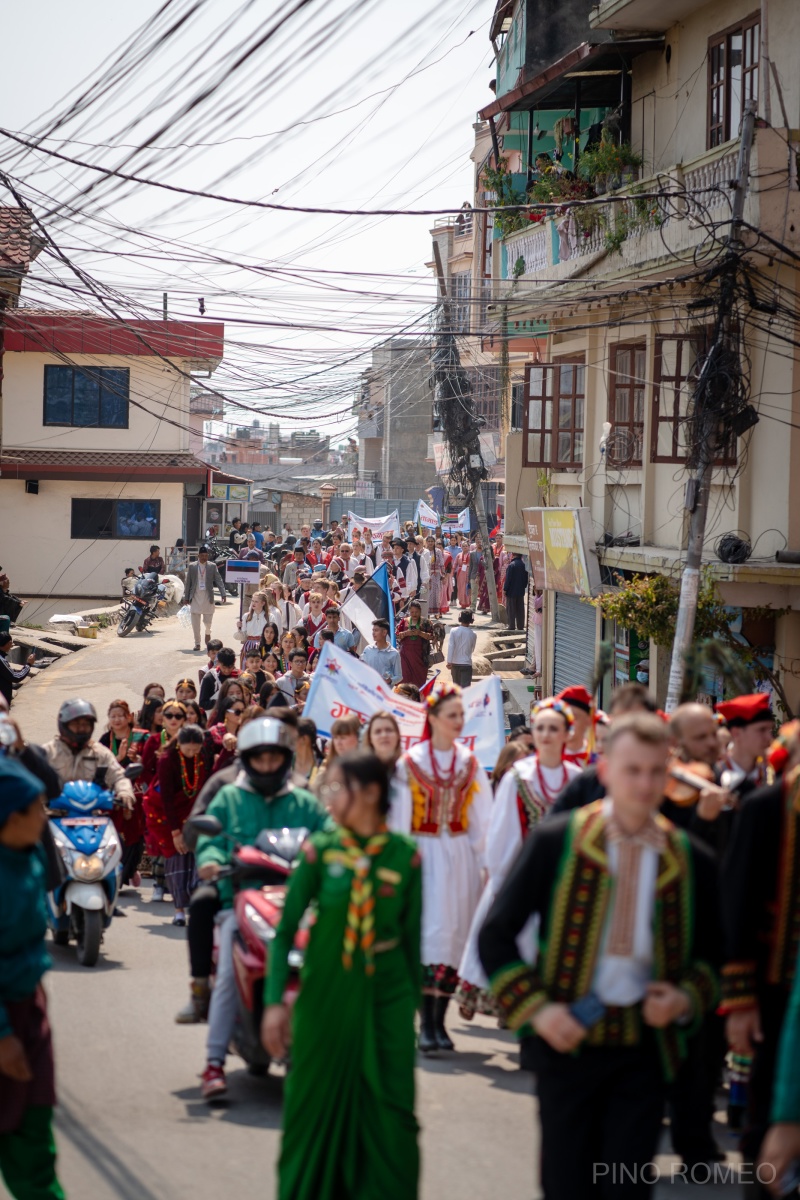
299, 509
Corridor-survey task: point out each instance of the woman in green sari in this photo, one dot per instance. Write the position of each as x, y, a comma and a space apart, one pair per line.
349, 1128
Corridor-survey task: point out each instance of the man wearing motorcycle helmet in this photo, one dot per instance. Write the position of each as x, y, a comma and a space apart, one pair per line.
261, 797
75, 755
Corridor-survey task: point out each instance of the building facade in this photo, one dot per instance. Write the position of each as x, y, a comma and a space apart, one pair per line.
621, 296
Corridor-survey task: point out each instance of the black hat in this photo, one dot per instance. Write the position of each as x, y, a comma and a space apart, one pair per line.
398, 541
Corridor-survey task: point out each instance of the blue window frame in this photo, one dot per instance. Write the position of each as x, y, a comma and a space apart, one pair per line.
93, 397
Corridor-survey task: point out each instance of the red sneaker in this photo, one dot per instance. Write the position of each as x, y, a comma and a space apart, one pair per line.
214, 1085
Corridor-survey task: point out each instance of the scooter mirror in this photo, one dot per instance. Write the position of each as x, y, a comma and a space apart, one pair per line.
209, 826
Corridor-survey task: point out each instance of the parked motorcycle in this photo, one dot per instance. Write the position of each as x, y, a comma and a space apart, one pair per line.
266, 867
140, 609
82, 906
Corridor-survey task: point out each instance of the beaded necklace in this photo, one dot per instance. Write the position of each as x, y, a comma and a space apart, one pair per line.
190, 788
444, 781
545, 792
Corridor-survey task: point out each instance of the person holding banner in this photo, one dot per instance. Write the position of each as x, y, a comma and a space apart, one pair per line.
443, 799
201, 579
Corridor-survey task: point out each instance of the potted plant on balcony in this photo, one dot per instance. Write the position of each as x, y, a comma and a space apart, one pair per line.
609, 165
507, 197
554, 187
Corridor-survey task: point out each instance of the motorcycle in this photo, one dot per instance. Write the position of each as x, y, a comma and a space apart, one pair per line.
267, 864
81, 907
140, 609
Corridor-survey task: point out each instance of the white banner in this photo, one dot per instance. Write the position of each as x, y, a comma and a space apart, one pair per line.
378, 525
343, 685
460, 525
426, 516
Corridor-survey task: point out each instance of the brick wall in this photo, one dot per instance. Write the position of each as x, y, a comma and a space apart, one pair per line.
299, 509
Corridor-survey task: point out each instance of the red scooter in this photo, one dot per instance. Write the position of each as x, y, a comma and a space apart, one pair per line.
265, 866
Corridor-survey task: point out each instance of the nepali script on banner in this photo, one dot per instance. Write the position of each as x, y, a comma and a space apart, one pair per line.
343, 685
378, 525
426, 516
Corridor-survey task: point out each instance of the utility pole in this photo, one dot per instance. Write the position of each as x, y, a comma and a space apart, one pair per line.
453, 388
709, 435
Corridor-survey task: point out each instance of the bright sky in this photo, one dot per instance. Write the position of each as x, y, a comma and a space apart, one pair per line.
349, 103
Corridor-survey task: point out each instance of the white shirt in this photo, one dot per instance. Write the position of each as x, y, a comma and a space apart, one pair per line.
624, 980
201, 576
461, 643
361, 563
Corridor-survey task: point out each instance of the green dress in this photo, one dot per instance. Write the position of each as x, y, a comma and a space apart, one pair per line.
349, 1128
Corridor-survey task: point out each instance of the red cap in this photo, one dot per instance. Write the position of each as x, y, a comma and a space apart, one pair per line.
577, 696
746, 710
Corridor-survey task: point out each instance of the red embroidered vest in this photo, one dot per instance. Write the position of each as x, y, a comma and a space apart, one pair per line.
436, 807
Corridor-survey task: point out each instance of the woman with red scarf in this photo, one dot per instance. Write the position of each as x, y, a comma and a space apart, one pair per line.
182, 770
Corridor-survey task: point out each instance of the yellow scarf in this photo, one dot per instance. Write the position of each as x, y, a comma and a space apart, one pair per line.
360, 926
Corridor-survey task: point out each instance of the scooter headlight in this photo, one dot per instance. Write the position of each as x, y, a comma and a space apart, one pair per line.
88, 868
261, 928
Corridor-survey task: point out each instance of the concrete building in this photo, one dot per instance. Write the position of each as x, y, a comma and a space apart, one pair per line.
618, 296
95, 462
394, 411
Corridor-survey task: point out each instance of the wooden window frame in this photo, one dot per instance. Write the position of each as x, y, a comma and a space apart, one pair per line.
720, 132
547, 377
701, 341
633, 429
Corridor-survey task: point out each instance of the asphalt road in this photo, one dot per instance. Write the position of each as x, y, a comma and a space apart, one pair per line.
131, 1124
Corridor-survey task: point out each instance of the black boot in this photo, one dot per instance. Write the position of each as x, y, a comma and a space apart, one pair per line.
527, 1053
427, 1026
443, 1040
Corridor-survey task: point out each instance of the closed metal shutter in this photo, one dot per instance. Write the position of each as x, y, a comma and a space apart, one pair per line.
574, 651
530, 644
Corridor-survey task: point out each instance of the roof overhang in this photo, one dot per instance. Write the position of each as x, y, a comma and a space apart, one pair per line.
598, 66
199, 343
102, 466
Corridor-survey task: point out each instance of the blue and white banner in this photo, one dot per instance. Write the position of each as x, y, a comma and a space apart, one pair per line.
460, 525
343, 685
425, 516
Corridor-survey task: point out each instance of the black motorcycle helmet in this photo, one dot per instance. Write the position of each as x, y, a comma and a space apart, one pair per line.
70, 710
266, 733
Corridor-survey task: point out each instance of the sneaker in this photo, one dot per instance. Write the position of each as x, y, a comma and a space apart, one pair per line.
158, 892
179, 919
214, 1085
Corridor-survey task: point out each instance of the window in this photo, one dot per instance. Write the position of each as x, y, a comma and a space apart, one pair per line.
626, 405
732, 78
94, 397
485, 384
517, 399
673, 388
461, 292
140, 519
553, 414
677, 363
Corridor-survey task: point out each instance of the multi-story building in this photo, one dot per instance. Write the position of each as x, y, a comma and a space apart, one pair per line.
621, 295
394, 413
95, 461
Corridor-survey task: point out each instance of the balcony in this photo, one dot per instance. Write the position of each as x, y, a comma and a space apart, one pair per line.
201, 404
640, 16
636, 230
369, 423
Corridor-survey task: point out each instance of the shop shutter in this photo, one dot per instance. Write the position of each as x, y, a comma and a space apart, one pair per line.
574, 652
530, 644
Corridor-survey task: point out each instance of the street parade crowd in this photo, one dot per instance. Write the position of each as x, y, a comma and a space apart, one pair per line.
621, 891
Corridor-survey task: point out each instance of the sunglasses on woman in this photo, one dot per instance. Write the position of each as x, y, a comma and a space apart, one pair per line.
173, 714
237, 712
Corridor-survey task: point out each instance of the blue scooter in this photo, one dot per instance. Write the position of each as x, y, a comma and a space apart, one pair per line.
82, 906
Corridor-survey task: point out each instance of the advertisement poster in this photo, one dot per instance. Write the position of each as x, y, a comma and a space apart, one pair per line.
562, 550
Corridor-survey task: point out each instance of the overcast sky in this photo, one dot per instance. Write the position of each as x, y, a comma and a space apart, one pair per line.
406, 147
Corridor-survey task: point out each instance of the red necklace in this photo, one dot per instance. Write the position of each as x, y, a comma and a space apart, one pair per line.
444, 781
545, 792
190, 789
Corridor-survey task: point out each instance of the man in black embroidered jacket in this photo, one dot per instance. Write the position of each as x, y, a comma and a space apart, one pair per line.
628, 908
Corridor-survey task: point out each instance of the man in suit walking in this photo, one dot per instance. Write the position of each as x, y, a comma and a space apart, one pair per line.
201, 579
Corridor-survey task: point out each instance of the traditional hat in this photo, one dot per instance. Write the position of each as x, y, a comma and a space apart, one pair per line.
398, 541
553, 703
779, 751
577, 697
746, 710
18, 787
